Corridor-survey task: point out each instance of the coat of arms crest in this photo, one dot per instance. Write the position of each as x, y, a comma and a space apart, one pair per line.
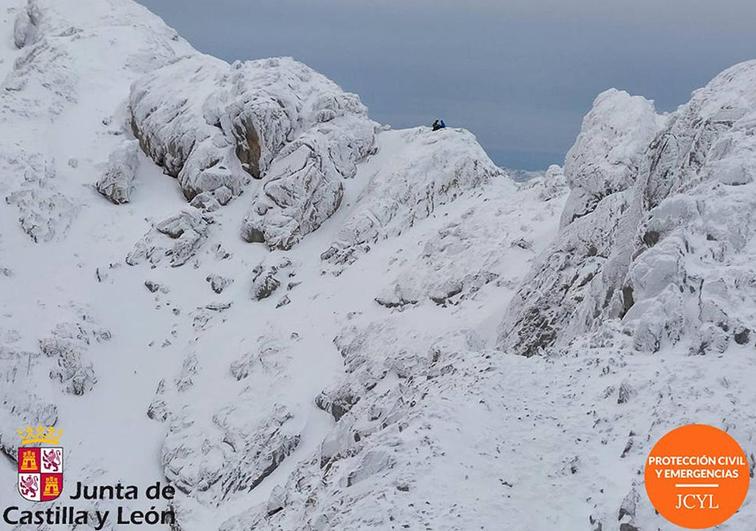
40, 468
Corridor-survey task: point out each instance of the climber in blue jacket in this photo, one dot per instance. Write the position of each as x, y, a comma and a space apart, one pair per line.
438, 124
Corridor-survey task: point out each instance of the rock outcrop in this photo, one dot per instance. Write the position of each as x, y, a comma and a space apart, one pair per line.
117, 182
273, 119
212, 463
304, 185
26, 25
429, 170
177, 238
657, 229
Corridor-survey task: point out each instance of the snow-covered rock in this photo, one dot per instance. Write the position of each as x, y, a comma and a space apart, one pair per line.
178, 237
466, 253
213, 463
608, 152
273, 119
180, 130
304, 186
25, 27
117, 182
688, 263
44, 212
20, 406
666, 254
431, 168
270, 274
599, 169
218, 282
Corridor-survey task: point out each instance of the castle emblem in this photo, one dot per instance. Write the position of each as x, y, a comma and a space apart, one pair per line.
40, 468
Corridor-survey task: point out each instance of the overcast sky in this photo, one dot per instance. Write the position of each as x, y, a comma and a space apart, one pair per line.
519, 73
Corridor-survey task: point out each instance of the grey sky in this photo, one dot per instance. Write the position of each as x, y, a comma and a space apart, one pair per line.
519, 73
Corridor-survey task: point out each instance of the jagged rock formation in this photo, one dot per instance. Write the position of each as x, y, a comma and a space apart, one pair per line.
600, 167
656, 238
272, 119
304, 183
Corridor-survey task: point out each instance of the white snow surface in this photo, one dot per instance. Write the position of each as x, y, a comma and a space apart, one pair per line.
351, 327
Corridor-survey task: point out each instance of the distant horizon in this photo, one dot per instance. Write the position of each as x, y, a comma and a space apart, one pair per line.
520, 76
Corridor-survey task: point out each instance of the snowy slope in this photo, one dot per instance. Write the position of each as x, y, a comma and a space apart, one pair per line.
230, 278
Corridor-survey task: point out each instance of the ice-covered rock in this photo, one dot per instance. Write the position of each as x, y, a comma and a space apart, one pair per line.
269, 357
270, 274
321, 409
609, 150
44, 212
477, 246
431, 168
273, 119
665, 252
550, 185
600, 167
25, 27
67, 345
304, 187
20, 405
683, 270
173, 117
218, 282
178, 237
42, 81
378, 447
232, 454
117, 182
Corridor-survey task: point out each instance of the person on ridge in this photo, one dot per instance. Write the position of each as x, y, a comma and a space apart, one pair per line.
438, 124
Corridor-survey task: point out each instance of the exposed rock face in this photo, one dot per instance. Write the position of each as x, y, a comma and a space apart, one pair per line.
636, 254
118, 180
431, 169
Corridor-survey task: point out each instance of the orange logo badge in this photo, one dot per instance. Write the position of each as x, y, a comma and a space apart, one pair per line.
697, 476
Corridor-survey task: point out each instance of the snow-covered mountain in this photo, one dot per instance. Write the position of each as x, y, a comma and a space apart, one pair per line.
228, 277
